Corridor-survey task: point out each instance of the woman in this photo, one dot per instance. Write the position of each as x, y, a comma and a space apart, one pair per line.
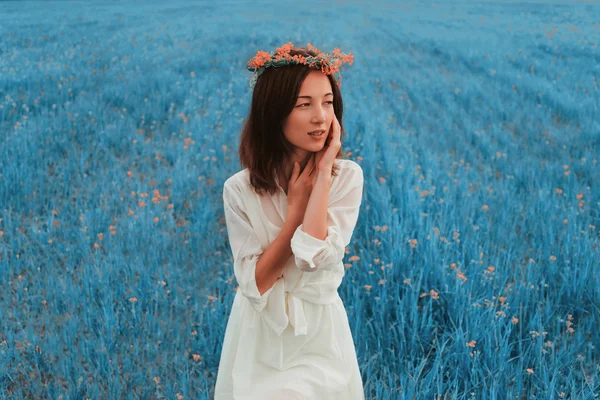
290, 214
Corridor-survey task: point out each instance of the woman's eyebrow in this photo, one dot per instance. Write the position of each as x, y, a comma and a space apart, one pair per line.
309, 97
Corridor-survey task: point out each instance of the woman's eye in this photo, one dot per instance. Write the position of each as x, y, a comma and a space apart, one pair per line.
308, 104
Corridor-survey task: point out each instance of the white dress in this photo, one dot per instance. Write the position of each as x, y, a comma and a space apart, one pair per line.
294, 341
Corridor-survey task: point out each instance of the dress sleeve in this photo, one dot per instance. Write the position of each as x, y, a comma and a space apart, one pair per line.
313, 254
245, 247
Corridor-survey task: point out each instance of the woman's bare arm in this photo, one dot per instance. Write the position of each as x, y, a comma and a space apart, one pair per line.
269, 266
315, 218
271, 263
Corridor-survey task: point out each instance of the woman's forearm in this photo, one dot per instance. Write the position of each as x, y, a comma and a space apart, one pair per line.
269, 266
315, 217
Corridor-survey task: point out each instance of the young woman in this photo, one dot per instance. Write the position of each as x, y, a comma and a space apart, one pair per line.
290, 215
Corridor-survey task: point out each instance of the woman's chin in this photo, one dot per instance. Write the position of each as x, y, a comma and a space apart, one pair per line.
317, 145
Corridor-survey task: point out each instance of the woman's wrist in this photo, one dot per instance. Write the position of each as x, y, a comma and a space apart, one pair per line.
293, 221
324, 173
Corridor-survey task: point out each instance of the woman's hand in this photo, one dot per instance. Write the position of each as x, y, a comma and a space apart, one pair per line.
300, 188
325, 157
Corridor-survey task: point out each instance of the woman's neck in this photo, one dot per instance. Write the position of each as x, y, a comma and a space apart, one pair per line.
302, 159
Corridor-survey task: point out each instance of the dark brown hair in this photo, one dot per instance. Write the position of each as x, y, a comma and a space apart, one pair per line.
264, 150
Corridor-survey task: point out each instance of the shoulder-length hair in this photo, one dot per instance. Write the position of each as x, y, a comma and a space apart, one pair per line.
264, 150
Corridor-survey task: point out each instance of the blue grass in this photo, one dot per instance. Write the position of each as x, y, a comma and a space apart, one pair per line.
476, 127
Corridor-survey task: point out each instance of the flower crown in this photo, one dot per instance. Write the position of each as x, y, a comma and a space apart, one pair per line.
327, 63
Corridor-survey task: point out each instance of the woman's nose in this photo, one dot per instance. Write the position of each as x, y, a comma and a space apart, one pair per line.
319, 116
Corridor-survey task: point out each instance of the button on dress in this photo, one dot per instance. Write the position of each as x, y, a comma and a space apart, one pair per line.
294, 341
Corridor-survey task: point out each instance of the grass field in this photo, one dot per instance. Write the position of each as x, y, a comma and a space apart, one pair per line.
474, 269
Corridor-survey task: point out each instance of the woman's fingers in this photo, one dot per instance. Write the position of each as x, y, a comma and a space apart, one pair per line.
295, 171
309, 165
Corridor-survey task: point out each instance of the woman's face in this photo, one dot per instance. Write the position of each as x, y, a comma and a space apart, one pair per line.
313, 111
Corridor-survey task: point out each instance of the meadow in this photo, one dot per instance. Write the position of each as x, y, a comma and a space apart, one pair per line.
473, 272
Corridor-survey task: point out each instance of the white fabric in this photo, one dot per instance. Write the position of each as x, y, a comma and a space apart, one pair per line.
294, 341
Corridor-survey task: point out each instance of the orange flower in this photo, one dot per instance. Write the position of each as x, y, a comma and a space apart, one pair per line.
349, 58
300, 59
285, 48
328, 63
259, 59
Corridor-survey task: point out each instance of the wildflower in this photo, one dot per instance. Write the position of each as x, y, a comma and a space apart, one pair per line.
327, 63
434, 294
472, 343
300, 59
461, 276
515, 320
569, 324
354, 258
530, 370
259, 59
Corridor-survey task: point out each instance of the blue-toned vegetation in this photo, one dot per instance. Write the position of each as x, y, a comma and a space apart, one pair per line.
473, 272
